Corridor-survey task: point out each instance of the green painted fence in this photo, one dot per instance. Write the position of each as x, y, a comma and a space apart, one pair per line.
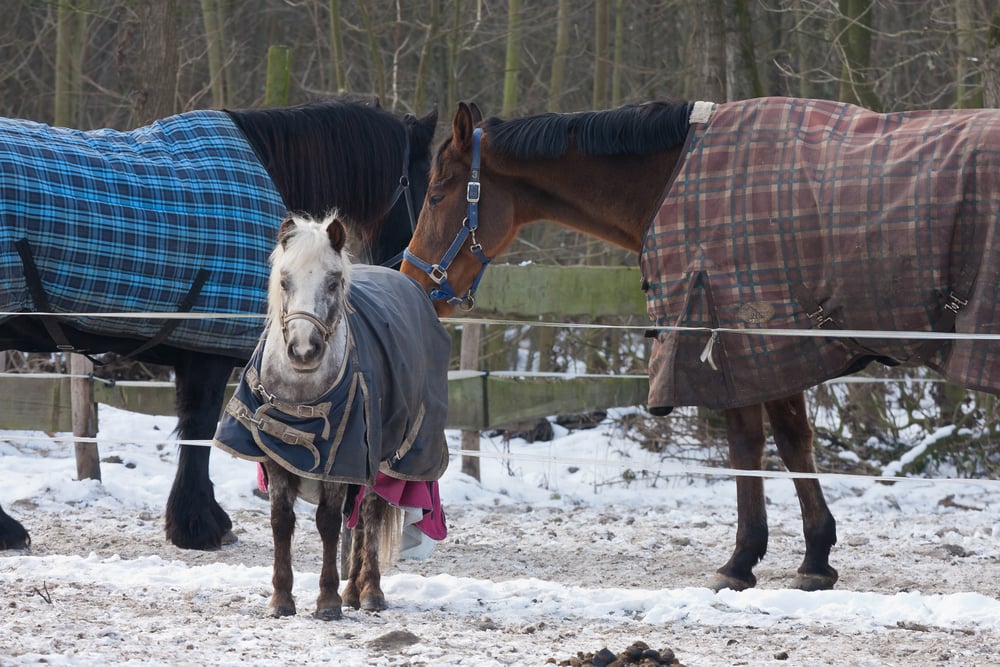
476, 401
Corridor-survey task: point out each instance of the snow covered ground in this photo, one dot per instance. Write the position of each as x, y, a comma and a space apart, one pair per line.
556, 552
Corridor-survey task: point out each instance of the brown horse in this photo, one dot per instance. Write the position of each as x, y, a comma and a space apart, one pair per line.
606, 174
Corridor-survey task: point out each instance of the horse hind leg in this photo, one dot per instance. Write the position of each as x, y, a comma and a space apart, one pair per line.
745, 432
193, 518
329, 518
282, 491
374, 544
794, 438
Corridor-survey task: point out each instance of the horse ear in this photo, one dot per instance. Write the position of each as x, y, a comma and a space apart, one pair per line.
376, 102
477, 115
285, 230
337, 234
431, 119
462, 125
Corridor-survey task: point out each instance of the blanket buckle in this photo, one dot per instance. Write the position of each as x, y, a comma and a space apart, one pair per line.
819, 318
955, 304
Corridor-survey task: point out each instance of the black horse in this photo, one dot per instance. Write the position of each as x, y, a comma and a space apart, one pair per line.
346, 154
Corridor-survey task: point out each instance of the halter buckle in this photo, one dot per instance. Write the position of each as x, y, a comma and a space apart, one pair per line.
472, 192
437, 274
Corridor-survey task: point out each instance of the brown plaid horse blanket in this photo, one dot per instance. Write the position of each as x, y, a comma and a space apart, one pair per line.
806, 214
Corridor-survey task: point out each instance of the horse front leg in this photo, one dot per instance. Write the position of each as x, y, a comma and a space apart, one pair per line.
745, 432
329, 517
193, 518
794, 438
364, 585
282, 491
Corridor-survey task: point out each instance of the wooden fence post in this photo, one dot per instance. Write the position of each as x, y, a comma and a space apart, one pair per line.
469, 360
88, 460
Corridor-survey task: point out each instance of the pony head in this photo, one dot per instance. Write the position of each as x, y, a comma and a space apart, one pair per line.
307, 291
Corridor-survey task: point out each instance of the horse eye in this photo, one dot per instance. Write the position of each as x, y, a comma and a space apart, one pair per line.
333, 284
434, 200
283, 283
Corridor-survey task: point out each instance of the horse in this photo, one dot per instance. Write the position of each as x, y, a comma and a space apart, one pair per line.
772, 212
226, 178
334, 393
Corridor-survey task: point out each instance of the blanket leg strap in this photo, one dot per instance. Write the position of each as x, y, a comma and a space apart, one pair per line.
40, 299
186, 304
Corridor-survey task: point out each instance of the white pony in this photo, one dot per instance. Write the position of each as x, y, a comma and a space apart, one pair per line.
349, 380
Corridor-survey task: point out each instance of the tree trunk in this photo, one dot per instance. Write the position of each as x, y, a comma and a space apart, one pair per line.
512, 63
708, 52
743, 79
991, 65
69, 52
376, 54
337, 47
601, 60
423, 67
617, 64
211, 13
804, 47
969, 95
855, 39
158, 62
558, 78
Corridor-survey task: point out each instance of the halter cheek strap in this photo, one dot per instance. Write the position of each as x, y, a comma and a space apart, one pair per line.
439, 272
403, 190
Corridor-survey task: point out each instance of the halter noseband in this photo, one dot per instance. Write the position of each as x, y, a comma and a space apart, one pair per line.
327, 331
439, 272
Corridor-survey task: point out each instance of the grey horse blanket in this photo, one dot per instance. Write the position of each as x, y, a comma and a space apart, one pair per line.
386, 412
178, 215
799, 214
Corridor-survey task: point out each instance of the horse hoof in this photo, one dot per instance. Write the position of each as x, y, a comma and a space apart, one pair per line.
281, 611
724, 581
329, 614
814, 582
374, 603
229, 538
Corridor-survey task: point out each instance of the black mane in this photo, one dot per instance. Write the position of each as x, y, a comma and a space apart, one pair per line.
635, 129
322, 154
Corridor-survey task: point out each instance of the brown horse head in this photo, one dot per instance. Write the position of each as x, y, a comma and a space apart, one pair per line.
492, 176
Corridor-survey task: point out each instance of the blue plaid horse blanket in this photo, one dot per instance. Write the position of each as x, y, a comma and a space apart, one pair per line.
386, 412
178, 215
807, 214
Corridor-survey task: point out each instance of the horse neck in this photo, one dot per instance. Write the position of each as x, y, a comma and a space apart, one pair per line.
279, 379
609, 197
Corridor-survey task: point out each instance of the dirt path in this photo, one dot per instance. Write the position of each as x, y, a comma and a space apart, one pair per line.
657, 547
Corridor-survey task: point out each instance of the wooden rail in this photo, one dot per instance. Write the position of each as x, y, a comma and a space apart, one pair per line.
476, 401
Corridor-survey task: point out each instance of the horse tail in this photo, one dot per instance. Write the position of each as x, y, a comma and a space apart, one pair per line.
390, 537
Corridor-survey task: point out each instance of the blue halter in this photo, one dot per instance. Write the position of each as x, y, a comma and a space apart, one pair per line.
439, 272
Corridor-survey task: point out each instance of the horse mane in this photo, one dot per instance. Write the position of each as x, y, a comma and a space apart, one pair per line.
633, 129
304, 244
314, 152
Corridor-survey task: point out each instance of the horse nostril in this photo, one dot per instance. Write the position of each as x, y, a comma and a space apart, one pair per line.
305, 352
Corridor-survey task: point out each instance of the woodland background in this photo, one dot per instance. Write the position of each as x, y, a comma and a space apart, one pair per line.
124, 63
